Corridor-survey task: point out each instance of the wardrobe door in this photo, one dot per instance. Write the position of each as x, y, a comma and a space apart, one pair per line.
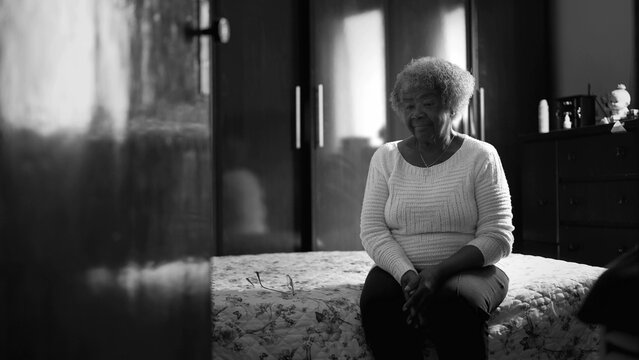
511, 63
259, 97
348, 77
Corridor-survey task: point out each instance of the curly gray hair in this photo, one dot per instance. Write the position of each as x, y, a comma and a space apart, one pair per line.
454, 84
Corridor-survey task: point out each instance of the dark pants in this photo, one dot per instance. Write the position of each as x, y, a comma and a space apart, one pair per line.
455, 316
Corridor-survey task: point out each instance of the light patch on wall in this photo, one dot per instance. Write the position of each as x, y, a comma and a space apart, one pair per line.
363, 76
60, 61
453, 44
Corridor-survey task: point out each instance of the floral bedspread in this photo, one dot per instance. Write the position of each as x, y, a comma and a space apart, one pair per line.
306, 306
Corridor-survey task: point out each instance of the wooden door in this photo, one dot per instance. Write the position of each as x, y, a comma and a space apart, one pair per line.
105, 182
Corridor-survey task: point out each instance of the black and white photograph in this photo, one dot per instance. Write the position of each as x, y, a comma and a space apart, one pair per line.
319, 179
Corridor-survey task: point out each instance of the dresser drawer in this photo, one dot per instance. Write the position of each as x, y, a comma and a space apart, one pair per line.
538, 201
595, 246
597, 156
607, 202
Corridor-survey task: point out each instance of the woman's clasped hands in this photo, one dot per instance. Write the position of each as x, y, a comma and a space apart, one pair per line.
418, 289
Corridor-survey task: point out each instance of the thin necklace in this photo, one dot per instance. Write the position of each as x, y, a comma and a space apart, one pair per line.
440, 155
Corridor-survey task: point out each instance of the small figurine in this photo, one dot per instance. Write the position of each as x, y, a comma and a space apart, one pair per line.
619, 101
567, 123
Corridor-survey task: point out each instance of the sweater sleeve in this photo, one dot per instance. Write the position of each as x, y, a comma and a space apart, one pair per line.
493, 236
376, 237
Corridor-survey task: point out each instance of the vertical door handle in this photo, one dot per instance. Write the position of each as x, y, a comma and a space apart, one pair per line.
298, 117
320, 115
482, 109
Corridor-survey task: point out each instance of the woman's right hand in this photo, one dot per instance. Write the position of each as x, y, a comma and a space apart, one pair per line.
409, 283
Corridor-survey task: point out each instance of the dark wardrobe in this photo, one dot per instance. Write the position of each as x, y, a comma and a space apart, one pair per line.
302, 104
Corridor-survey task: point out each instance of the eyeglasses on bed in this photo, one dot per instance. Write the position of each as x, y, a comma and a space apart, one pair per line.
289, 284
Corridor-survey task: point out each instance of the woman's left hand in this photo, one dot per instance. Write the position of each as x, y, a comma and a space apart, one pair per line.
428, 282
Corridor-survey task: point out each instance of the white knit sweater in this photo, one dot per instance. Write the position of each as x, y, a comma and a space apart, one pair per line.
414, 216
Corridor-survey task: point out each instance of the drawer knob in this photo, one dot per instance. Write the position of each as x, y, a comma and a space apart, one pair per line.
621, 152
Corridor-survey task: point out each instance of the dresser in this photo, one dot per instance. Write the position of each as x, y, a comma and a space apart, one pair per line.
580, 193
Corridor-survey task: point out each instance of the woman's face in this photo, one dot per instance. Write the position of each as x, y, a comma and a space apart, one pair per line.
425, 115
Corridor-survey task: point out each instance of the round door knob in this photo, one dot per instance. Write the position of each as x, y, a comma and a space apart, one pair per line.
223, 30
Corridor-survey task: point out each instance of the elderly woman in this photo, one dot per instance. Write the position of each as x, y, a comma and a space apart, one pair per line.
436, 219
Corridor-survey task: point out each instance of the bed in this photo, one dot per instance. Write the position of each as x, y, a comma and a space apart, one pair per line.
306, 306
